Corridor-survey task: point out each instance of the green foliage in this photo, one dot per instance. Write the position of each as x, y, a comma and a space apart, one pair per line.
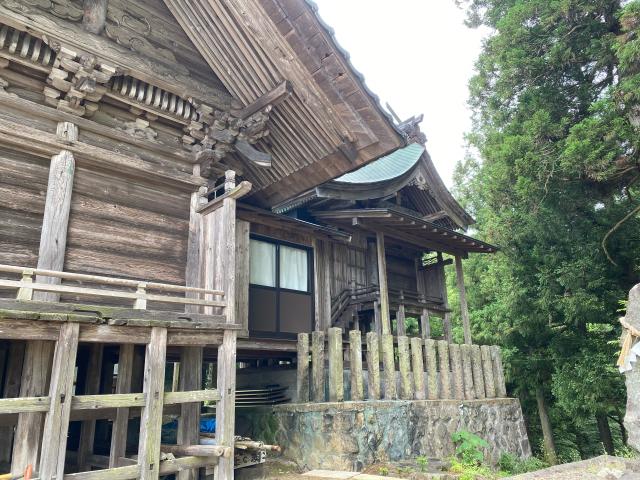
384, 471
469, 447
512, 465
553, 178
423, 463
470, 472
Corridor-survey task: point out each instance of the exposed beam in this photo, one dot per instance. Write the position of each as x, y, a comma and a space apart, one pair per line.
272, 98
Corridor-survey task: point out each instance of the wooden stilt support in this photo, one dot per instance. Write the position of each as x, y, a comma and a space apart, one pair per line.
373, 365
15, 359
355, 361
91, 387
56, 425
302, 377
464, 311
190, 378
382, 278
417, 366
225, 409
121, 422
151, 421
336, 368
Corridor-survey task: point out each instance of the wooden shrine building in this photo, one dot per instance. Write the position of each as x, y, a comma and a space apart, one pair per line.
194, 183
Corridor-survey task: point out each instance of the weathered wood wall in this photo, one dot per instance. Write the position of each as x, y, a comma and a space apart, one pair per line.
348, 264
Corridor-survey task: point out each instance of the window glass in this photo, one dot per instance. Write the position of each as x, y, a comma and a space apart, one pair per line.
293, 268
262, 263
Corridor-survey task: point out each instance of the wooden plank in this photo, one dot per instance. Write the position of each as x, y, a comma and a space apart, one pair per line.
235, 193
189, 420
373, 365
151, 421
355, 362
24, 405
384, 291
242, 273
389, 365
35, 383
417, 367
498, 372
92, 387
197, 450
336, 368
464, 310
121, 422
478, 375
54, 437
467, 370
302, 372
432, 369
456, 371
272, 97
317, 366
404, 366
487, 370
445, 377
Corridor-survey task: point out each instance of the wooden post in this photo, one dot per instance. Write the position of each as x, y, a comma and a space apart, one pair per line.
384, 291
377, 322
226, 407
487, 368
456, 369
121, 422
464, 311
498, 372
425, 324
389, 365
317, 365
302, 377
56, 425
39, 354
355, 361
322, 284
190, 379
404, 366
92, 387
478, 376
336, 369
373, 365
151, 420
445, 379
467, 369
432, 368
417, 365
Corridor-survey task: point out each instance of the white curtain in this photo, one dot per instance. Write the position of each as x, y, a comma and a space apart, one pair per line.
262, 263
293, 268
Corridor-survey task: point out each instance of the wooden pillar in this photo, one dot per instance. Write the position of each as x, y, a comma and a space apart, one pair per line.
373, 365
151, 420
56, 425
336, 368
317, 366
400, 317
384, 291
190, 379
389, 364
91, 387
464, 311
121, 422
322, 284
417, 365
404, 366
425, 324
302, 377
377, 322
14, 361
355, 361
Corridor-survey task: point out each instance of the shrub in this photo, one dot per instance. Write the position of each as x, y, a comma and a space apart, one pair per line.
469, 447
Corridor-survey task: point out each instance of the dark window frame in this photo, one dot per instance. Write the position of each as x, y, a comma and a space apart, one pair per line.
277, 289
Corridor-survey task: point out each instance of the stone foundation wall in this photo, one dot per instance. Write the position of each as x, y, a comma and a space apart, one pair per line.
350, 435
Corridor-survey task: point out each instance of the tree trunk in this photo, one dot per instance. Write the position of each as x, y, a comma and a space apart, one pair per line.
605, 433
623, 431
547, 431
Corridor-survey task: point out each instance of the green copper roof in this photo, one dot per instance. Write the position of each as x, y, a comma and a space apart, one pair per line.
385, 168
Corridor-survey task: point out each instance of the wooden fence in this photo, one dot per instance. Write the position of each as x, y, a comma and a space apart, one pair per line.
45, 407
411, 369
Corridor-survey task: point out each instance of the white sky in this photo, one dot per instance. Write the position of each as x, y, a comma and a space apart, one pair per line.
417, 55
